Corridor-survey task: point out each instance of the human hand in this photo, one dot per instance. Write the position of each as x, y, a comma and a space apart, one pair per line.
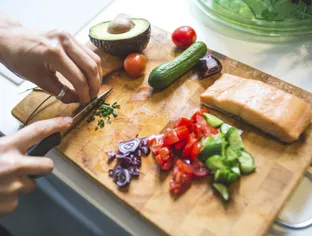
38, 56
15, 167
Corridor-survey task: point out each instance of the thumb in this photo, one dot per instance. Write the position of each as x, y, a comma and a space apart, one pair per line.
30, 135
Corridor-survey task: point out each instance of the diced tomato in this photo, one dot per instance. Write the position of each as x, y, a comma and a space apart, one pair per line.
197, 146
206, 129
164, 151
184, 167
156, 142
199, 169
183, 121
200, 112
180, 144
170, 137
168, 164
159, 160
198, 131
182, 132
188, 148
182, 178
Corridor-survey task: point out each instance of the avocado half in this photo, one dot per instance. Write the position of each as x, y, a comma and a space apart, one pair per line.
123, 44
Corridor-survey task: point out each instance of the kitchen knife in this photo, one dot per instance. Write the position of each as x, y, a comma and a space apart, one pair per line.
45, 145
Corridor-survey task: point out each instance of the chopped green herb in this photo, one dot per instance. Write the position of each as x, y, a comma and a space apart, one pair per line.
104, 110
96, 128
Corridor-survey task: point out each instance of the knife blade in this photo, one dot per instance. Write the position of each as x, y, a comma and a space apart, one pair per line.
45, 145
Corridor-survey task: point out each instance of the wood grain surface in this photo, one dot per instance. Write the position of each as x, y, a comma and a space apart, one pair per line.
256, 199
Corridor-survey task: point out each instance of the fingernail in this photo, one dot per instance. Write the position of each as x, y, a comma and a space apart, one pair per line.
68, 119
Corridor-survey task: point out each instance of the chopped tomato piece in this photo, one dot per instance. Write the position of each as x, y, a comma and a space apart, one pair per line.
184, 167
180, 144
196, 148
200, 112
206, 129
188, 148
164, 151
199, 169
159, 160
198, 130
168, 164
171, 137
182, 178
182, 132
183, 121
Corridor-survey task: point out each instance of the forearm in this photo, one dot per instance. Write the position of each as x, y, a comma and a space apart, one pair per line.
6, 26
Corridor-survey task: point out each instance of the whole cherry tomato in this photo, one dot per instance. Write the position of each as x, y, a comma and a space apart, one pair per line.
184, 36
135, 64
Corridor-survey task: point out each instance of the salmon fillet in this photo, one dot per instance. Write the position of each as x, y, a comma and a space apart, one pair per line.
272, 110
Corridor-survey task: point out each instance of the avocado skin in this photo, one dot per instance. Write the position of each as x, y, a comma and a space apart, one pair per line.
123, 47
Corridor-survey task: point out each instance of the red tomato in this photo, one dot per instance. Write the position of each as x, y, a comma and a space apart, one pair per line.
182, 132
199, 169
198, 130
183, 121
135, 64
182, 178
159, 160
200, 112
197, 146
180, 144
156, 142
184, 167
188, 148
206, 129
168, 164
184, 36
170, 137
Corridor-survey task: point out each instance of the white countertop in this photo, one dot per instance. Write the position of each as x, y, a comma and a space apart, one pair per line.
291, 62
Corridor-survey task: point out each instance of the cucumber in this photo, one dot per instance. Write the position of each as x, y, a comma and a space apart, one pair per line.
214, 163
213, 120
236, 170
234, 138
211, 146
223, 190
225, 127
167, 73
232, 153
225, 176
247, 163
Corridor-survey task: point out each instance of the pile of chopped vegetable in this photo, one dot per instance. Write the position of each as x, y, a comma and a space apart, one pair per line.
128, 160
207, 145
104, 111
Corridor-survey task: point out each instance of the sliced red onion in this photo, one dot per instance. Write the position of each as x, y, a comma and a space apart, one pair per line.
121, 177
144, 141
110, 172
111, 156
139, 153
129, 146
209, 65
146, 150
132, 156
136, 161
121, 156
134, 171
126, 162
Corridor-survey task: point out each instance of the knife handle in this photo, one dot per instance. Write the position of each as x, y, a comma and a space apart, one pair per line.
45, 145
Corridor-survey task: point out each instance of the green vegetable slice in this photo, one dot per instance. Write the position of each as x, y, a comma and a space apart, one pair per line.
225, 127
214, 163
232, 153
225, 176
223, 190
247, 163
211, 146
213, 120
234, 138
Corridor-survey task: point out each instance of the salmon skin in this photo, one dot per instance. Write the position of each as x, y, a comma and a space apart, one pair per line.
272, 110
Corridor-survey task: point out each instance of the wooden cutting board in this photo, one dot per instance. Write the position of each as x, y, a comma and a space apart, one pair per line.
256, 199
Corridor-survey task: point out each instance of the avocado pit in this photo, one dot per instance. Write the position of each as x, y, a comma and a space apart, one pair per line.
120, 24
